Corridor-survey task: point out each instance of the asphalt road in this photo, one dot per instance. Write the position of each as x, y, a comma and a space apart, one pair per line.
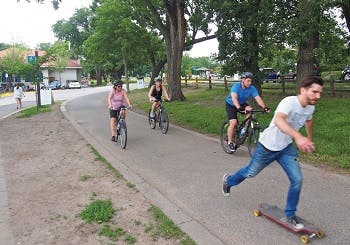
181, 173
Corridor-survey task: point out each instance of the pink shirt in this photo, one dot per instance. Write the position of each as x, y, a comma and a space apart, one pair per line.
117, 99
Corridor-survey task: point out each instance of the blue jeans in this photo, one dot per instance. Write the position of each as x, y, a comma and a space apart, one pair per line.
287, 159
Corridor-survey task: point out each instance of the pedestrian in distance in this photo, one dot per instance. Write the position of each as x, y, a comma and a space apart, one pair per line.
276, 144
155, 95
236, 101
117, 99
18, 94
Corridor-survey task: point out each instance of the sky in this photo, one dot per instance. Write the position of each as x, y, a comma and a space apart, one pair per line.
30, 23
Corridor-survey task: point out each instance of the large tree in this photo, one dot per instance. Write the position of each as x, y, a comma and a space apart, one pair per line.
178, 21
243, 30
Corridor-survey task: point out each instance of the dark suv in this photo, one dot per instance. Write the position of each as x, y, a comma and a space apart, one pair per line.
345, 74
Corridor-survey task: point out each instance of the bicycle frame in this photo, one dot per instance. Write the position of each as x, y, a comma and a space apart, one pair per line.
253, 129
249, 123
121, 127
161, 118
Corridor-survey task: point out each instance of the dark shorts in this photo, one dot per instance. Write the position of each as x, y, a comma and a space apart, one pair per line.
231, 111
115, 113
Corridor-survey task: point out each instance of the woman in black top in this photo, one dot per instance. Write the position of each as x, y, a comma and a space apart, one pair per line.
155, 94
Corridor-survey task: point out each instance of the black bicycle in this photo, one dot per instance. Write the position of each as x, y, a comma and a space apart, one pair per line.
249, 129
161, 118
121, 133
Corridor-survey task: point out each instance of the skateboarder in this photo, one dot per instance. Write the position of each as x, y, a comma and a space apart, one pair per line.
276, 143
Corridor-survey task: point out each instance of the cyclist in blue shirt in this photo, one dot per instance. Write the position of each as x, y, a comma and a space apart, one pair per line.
236, 101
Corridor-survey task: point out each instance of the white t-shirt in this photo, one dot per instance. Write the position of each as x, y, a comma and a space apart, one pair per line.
272, 137
18, 92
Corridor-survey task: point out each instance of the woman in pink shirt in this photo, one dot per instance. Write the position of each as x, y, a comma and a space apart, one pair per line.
116, 101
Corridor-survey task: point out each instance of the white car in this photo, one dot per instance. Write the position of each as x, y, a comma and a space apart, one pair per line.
73, 84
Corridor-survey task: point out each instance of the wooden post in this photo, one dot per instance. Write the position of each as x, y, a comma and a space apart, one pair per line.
185, 80
196, 83
225, 82
331, 84
283, 81
210, 85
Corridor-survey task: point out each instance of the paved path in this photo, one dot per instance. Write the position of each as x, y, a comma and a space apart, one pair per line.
181, 173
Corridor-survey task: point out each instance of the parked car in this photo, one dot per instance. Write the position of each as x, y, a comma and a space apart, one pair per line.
345, 75
54, 85
269, 74
291, 75
73, 84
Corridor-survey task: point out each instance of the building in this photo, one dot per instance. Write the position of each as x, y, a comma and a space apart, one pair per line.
72, 71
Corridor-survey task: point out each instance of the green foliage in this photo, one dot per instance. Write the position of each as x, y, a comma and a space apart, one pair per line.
166, 228
14, 63
31, 111
129, 239
98, 211
112, 234
103, 160
85, 177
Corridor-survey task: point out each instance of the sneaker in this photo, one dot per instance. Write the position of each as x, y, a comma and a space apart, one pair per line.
295, 222
152, 114
232, 147
225, 187
113, 138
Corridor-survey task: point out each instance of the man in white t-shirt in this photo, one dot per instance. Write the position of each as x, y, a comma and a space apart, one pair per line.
276, 144
18, 94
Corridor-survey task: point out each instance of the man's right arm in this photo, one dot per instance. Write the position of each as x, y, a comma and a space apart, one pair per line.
234, 98
302, 142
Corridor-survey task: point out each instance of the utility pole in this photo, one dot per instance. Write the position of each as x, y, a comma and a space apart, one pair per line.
37, 81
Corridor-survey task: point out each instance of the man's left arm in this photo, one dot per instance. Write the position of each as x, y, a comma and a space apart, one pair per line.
261, 103
309, 128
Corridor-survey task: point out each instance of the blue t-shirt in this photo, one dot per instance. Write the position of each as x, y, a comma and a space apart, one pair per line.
242, 94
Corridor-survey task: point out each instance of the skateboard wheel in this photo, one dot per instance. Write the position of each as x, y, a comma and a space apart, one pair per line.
304, 239
320, 234
256, 212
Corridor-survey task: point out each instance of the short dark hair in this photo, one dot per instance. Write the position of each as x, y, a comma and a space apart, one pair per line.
307, 81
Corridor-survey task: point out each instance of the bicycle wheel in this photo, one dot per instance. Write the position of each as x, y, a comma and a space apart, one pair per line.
116, 132
253, 139
123, 135
164, 121
224, 137
151, 121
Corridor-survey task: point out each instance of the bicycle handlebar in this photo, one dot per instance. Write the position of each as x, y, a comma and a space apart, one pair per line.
253, 111
121, 108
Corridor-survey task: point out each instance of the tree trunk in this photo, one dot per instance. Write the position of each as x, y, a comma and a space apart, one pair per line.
309, 18
125, 61
98, 76
250, 61
175, 41
156, 68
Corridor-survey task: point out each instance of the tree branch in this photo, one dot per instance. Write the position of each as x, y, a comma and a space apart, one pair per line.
201, 39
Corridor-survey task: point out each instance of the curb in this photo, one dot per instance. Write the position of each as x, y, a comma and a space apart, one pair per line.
6, 95
199, 233
6, 235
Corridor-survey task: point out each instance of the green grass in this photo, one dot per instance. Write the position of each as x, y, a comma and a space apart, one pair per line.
85, 177
204, 111
98, 211
112, 234
31, 111
100, 158
166, 228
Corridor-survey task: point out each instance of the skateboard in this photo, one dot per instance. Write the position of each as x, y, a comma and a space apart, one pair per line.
277, 215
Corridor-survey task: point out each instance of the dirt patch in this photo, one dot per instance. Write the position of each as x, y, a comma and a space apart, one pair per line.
52, 175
